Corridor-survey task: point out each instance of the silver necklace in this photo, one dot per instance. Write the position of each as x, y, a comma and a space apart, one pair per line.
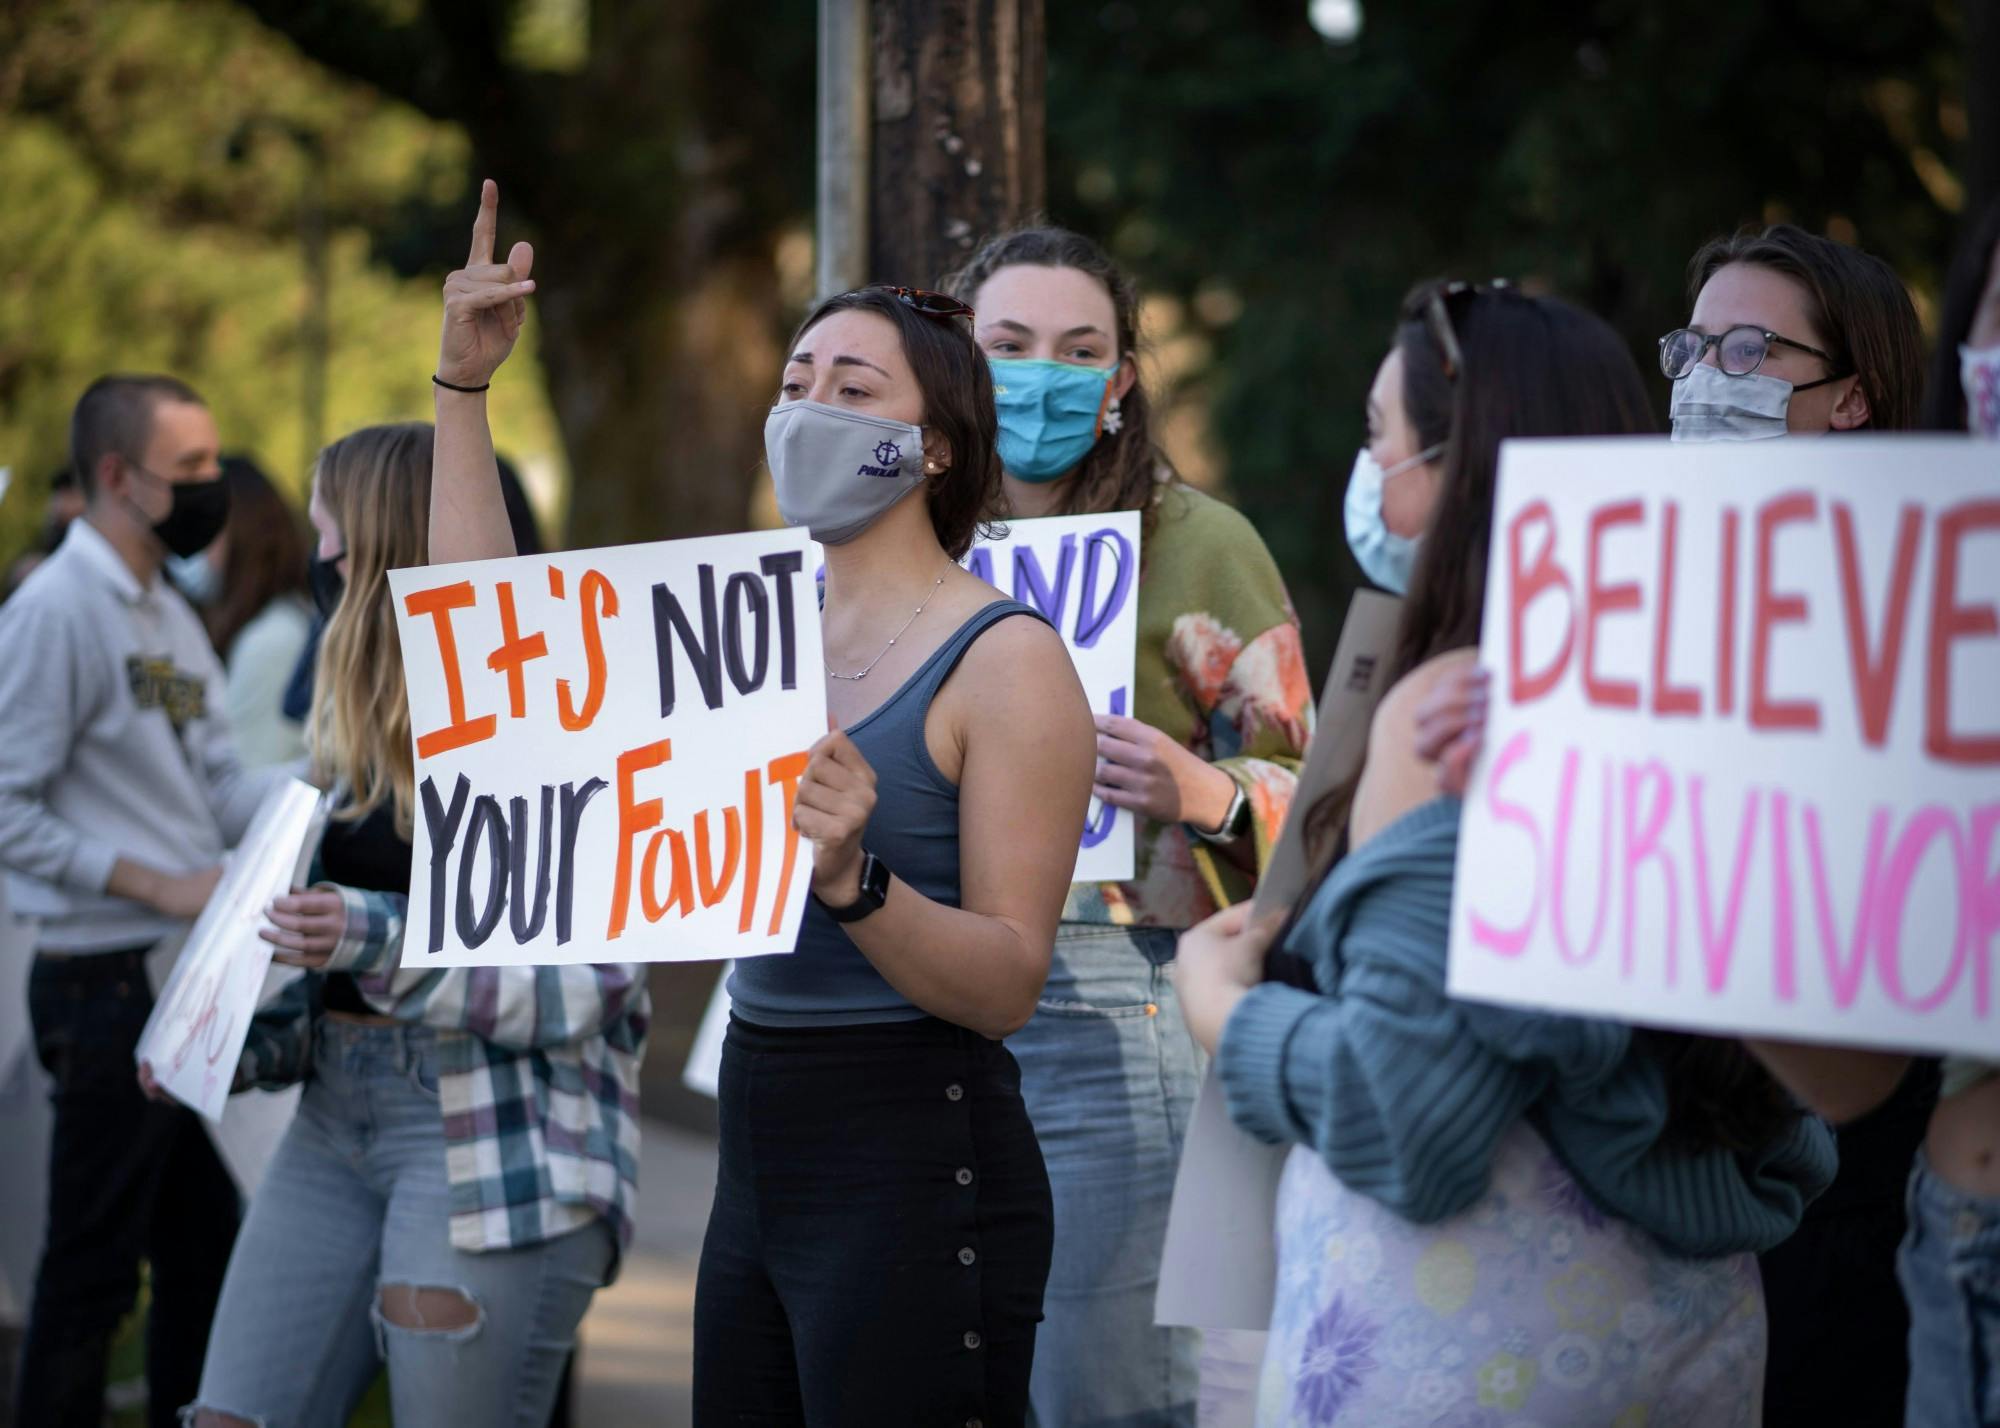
832, 673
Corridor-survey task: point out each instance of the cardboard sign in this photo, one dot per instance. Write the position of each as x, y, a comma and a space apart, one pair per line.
1742, 765
1355, 684
1082, 573
608, 744
1219, 1266
194, 1038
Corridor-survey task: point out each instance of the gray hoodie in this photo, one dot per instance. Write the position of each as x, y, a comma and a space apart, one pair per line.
113, 744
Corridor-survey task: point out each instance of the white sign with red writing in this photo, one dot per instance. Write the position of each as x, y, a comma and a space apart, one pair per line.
1742, 766
194, 1038
608, 744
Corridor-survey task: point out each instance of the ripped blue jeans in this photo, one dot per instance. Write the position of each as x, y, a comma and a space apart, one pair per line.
355, 1204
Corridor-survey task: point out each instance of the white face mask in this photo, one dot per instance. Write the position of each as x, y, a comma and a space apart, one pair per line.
1711, 405
1385, 557
1979, 374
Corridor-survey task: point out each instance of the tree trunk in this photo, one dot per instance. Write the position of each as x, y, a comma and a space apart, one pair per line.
958, 130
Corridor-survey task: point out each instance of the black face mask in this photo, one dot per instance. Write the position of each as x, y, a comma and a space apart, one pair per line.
196, 518
324, 580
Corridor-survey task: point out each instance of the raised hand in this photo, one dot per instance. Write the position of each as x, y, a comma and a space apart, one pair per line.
485, 302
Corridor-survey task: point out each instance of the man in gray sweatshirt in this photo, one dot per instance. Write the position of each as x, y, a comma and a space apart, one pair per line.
119, 791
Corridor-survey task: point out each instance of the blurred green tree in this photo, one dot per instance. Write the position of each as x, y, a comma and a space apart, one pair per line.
1289, 190
151, 220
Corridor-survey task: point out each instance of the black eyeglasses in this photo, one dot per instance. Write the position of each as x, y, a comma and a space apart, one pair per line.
1431, 304
930, 304
1739, 352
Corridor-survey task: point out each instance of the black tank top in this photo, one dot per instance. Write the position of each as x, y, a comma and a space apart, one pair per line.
362, 853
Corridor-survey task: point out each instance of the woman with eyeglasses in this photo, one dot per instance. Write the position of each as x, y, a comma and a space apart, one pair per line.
881, 1228
1206, 758
1489, 1214
1795, 334
1949, 1261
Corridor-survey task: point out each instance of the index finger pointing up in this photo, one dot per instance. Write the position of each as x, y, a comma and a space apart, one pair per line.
485, 225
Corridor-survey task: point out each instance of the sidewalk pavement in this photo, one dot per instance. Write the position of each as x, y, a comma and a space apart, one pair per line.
636, 1366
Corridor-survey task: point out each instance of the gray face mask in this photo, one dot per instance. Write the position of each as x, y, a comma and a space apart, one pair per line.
836, 471
1711, 405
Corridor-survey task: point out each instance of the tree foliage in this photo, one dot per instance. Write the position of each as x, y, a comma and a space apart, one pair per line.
1586, 149
151, 221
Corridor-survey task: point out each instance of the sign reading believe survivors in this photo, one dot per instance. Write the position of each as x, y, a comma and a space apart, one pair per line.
608, 745
1742, 766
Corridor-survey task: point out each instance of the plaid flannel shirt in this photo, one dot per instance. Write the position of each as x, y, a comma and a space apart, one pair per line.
538, 1076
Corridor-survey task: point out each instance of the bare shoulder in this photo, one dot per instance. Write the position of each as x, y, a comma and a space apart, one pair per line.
1395, 723
1395, 778
1020, 656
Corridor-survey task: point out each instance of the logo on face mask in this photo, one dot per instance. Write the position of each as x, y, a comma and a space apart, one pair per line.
890, 457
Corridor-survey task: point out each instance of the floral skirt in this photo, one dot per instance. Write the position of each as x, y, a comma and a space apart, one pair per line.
1532, 1309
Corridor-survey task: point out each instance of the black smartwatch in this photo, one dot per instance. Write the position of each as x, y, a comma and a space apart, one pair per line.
874, 891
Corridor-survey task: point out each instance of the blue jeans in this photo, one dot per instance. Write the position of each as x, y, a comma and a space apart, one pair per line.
1950, 1269
356, 1201
1110, 1073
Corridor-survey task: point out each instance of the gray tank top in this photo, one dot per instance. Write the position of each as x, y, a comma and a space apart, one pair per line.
914, 829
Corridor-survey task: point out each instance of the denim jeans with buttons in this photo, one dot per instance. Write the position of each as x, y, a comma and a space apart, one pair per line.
355, 1200
1950, 1270
880, 1235
1110, 1075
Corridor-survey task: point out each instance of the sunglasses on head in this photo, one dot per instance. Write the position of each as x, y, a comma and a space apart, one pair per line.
1432, 305
930, 304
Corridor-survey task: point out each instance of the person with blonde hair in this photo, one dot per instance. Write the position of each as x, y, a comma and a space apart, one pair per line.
461, 1173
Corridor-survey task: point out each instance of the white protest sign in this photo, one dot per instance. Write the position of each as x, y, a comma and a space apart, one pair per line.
1219, 1266
194, 1038
1742, 764
1082, 573
702, 1071
608, 744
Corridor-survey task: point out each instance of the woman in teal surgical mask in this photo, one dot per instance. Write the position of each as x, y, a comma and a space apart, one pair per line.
1205, 756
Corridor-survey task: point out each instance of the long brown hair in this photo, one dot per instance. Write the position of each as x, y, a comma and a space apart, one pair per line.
376, 484
265, 555
1124, 471
958, 406
1855, 302
1531, 366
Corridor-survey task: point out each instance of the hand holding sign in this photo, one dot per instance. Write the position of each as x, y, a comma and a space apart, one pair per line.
485, 302
1451, 726
305, 926
836, 795
1218, 961
1142, 769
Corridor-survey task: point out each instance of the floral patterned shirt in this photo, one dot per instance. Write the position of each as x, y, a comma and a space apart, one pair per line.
1221, 670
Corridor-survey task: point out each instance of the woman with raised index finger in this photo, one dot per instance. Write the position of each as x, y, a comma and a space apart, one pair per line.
881, 1230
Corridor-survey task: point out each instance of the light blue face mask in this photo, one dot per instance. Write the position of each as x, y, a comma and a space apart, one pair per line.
1385, 557
196, 577
1051, 414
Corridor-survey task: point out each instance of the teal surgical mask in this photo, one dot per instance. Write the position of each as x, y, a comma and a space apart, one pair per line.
1385, 557
1051, 414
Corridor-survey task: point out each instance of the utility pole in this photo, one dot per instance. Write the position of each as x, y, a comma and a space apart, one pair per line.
951, 107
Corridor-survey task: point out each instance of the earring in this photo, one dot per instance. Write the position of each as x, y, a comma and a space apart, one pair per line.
932, 467
1113, 420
